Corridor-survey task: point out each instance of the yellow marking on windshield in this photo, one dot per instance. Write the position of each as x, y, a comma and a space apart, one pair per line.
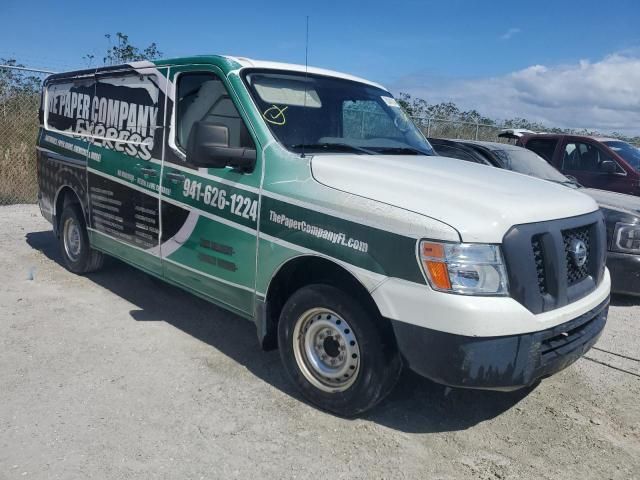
275, 115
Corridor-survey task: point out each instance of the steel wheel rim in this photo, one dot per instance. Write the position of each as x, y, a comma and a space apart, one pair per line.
72, 239
326, 350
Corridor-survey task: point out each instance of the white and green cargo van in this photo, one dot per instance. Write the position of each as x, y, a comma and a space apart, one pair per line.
305, 201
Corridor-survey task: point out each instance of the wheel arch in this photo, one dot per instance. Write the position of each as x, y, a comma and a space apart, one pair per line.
65, 195
296, 273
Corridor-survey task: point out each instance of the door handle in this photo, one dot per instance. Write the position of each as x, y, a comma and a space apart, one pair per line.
175, 177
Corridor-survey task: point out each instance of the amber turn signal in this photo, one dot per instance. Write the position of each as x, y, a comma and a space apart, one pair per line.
439, 274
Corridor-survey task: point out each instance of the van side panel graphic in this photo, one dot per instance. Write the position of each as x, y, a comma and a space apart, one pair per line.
120, 112
213, 262
125, 214
360, 245
197, 227
232, 204
57, 171
126, 126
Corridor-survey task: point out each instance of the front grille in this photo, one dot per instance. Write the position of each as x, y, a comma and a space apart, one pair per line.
538, 257
543, 272
576, 273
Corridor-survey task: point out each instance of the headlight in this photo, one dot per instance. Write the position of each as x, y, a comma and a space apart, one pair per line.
626, 238
464, 268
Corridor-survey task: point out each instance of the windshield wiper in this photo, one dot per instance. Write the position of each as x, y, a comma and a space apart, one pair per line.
341, 147
402, 150
563, 182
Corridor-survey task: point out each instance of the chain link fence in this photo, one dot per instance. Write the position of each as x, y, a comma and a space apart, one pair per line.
441, 128
19, 102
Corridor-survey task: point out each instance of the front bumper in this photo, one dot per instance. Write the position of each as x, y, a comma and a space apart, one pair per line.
498, 363
625, 273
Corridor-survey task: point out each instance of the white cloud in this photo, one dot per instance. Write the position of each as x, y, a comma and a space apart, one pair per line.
602, 95
510, 33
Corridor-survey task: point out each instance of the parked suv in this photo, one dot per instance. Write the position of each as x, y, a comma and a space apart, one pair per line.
621, 212
307, 202
596, 162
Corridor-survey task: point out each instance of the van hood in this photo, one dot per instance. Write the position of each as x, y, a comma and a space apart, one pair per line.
482, 203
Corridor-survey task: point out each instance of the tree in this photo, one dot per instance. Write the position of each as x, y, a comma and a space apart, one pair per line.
415, 107
14, 82
449, 111
124, 52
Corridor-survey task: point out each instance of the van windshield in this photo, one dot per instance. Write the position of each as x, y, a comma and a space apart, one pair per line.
316, 113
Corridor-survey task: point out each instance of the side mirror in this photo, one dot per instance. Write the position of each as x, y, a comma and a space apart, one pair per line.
208, 146
608, 166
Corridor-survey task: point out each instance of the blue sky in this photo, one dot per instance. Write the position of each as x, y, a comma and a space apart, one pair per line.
436, 49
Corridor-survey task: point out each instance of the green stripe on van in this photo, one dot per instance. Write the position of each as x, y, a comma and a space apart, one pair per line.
64, 144
367, 247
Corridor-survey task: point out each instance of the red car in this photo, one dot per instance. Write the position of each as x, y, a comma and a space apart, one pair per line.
603, 163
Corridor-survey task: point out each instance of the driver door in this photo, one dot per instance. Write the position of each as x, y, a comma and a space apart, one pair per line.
209, 216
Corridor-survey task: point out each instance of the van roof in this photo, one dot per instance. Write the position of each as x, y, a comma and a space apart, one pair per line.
253, 63
230, 63
237, 63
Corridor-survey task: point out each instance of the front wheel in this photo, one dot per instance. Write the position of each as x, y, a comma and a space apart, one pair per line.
77, 254
339, 354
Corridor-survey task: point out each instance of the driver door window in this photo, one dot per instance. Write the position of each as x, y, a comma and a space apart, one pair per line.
202, 97
580, 157
583, 157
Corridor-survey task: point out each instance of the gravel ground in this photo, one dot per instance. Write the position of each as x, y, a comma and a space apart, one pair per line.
116, 375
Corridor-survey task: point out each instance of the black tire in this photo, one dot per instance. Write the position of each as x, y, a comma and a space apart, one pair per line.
379, 364
79, 258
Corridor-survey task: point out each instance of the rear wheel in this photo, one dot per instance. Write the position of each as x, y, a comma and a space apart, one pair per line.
77, 254
337, 352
